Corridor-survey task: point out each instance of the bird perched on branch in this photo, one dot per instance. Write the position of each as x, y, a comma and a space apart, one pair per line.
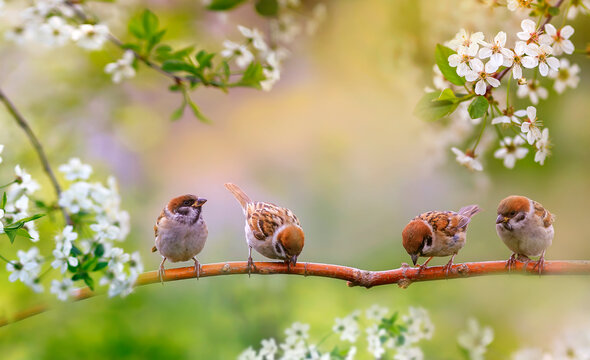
181, 231
526, 227
437, 233
273, 231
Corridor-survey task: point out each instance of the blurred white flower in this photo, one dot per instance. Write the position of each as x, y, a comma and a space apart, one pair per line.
75, 170
318, 15
293, 351
409, 353
271, 72
286, 28
495, 50
255, 37
76, 198
578, 6
117, 259
476, 339
467, 159
269, 349
63, 248
510, 150
375, 346
529, 32
419, 325
135, 266
559, 39
464, 40
122, 68
62, 289
91, 37
242, 55
24, 181
376, 312
120, 286
531, 125
348, 328
533, 90
519, 5
438, 80
55, 32
530, 354
18, 34
27, 268
105, 231
248, 354
542, 146
516, 60
567, 75
541, 56
297, 332
482, 75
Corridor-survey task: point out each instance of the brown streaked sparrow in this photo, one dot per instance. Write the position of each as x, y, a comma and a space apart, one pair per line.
273, 231
181, 231
526, 227
437, 233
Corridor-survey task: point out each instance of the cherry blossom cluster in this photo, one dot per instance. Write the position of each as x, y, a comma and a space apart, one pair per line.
471, 67
568, 345
80, 249
384, 334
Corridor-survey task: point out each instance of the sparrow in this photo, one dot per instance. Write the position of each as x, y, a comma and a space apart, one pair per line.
437, 233
273, 231
526, 227
181, 231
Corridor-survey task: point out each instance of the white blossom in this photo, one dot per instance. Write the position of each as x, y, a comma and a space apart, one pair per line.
297, 332
519, 5
516, 60
255, 37
347, 327
76, 198
24, 181
531, 125
272, 72
464, 40
27, 268
533, 90
286, 28
120, 286
559, 39
540, 55
135, 266
117, 259
243, 56
419, 325
495, 50
578, 6
509, 116
62, 289
409, 353
482, 76
75, 170
510, 150
105, 231
464, 59
91, 37
529, 32
122, 68
374, 335
55, 32
376, 312
248, 354
542, 146
467, 159
567, 75
476, 339
269, 349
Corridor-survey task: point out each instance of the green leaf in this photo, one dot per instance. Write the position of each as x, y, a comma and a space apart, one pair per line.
221, 5
99, 251
20, 223
253, 76
3, 202
154, 40
553, 10
431, 109
177, 114
197, 112
101, 265
11, 235
150, 22
478, 107
135, 27
441, 55
87, 265
204, 59
267, 8
89, 281
78, 276
226, 69
447, 94
174, 65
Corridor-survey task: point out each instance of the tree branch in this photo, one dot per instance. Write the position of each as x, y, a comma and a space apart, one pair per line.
403, 277
22, 122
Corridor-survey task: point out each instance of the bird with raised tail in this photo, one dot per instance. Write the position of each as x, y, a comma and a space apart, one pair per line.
526, 227
181, 231
273, 231
437, 233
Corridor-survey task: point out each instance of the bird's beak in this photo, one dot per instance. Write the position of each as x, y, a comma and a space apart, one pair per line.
414, 258
501, 219
293, 260
199, 202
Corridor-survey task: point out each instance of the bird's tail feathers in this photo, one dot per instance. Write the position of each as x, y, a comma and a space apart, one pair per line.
239, 194
469, 210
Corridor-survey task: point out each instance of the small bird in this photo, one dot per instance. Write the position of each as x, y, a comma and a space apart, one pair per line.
273, 231
181, 231
526, 227
437, 233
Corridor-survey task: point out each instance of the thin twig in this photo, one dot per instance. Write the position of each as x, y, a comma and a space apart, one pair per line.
403, 277
22, 122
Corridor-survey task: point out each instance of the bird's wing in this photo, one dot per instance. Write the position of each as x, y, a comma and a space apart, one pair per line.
445, 222
154, 249
543, 214
265, 218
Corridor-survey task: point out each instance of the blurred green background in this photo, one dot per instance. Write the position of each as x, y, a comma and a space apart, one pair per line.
335, 141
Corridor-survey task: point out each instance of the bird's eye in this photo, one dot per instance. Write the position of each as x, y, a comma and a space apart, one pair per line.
512, 213
187, 202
